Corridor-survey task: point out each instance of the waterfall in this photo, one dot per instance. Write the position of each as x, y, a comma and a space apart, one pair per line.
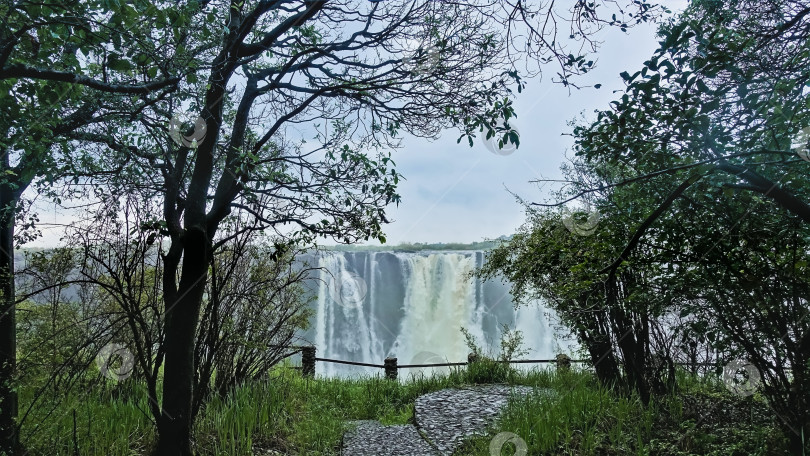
412, 306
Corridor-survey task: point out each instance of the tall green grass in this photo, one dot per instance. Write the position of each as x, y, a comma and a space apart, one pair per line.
583, 418
87, 422
569, 414
309, 416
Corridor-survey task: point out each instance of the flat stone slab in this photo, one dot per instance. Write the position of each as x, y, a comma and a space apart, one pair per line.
448, 416
371, 438
443, 420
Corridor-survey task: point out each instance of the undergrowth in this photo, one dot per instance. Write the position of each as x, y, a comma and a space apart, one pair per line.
570, 414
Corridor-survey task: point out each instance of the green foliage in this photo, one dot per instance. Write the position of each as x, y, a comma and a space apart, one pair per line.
699, 170
52, 329
48, 339
489, 368
259, 316
719, 108
105, 426
569, 413
578, 416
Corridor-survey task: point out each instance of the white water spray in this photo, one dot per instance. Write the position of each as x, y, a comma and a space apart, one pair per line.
412, 306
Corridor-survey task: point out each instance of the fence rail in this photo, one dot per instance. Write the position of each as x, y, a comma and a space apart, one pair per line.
308, 360
351, 363
391, 366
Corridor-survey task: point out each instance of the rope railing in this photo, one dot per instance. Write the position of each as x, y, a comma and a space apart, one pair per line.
308, 360
351, 363
391, 366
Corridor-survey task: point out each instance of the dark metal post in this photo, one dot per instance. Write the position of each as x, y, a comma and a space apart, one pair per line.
308, 361
390, 368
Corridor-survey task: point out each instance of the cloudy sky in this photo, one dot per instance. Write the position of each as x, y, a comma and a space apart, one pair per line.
455, 193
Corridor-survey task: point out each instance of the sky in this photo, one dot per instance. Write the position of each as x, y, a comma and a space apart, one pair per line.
457, 193
454, 193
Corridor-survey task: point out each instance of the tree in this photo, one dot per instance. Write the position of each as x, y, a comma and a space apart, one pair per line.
56, 63
251, 316
709, 131
351, 74
543, 260
560, 258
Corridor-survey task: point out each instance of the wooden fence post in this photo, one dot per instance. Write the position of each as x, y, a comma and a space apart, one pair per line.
563, 362
308, 361
390, 368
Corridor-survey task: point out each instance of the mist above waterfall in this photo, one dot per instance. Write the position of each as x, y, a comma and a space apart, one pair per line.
412, 306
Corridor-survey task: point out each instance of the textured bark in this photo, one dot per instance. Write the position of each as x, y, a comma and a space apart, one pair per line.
182, 314
8, 334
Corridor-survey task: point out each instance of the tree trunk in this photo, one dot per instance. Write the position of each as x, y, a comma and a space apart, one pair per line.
797, 442
182, 313
597, 342
8, 330
795, 415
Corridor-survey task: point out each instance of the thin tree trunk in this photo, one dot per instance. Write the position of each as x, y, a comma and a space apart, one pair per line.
8, 334
597, 342
795, 412
797, 438
182, 313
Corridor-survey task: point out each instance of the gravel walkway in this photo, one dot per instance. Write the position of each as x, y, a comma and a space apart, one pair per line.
443, 419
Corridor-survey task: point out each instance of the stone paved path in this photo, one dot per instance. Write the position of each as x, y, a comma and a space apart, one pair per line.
443, 419
371, 438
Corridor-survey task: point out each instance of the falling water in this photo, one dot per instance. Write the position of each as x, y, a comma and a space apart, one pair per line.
412, 306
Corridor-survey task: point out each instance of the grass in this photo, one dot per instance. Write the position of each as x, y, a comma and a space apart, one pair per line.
703, 418
286, 414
